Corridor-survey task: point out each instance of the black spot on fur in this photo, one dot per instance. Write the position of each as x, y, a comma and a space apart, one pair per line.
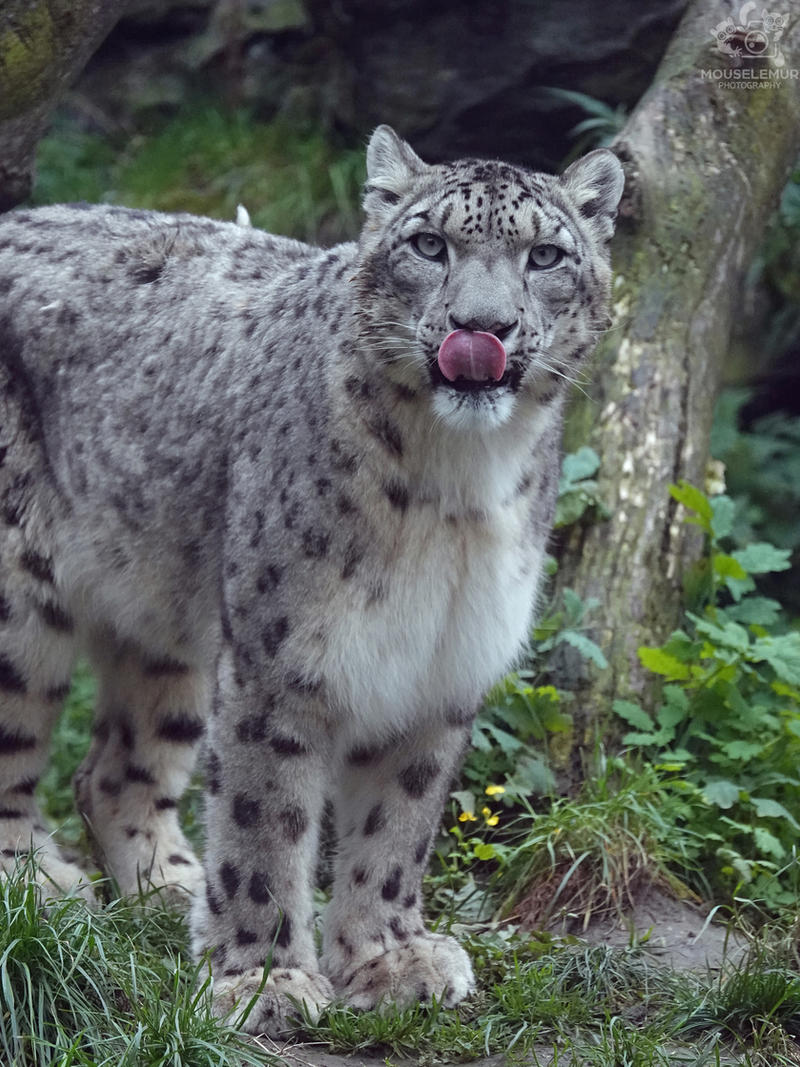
5, 607
178, 859
388, 435
294, 821
26, 787
246, 937
134, 773
258, 889
315, 543
213, 773
147, 273
110, 787
229, 876
252, 729
213, 903
165, 803
391, 887
10, 678
421, 851
353, 556
38, 565
359, 876
126, 733
397, 495
398, 929
417, 777
410, 900
459, 717
374, 821
275, 634
364, 755
269, 580
245, 810
282, 934
287, 746
158, 668
181, 728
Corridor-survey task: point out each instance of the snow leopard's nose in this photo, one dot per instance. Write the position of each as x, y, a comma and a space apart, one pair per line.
501, 330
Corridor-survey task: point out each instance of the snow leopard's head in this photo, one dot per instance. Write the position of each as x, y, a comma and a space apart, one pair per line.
481, 283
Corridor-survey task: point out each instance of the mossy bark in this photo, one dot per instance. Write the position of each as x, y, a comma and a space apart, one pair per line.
44, 45
705, 165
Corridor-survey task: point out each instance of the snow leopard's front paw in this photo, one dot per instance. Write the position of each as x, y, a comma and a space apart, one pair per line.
278, 1007
427, 966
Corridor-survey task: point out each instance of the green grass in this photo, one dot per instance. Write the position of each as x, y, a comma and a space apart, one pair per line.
207, 161
114, 987
105, 988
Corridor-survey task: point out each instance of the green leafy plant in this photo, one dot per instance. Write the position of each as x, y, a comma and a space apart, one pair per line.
601, 125
729, 720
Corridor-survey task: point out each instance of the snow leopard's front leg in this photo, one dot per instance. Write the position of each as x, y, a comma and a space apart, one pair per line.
267, 764
376, 948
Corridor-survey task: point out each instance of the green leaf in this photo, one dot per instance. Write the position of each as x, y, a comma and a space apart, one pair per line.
465, 799
633, 714
722, 793
571, 506
763, 558
768, 844
723, 512
675, 707
507, 742
771, 809
694, 500
727, 567
653, 740
483, 851
760, 610
578, 466
729, 635
587, 648
782, 653
741, 750
660, 662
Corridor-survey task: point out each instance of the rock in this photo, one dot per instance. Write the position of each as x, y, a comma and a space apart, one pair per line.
456, 79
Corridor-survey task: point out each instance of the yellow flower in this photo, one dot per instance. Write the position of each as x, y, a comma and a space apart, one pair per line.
494, 790
493, 820
467, 816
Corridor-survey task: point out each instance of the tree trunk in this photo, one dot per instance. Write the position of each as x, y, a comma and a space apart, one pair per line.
44, 45
705, 164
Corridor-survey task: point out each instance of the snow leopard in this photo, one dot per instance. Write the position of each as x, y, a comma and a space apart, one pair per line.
292, 503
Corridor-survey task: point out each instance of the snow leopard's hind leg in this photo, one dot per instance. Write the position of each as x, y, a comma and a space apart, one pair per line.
150, 718
37, 639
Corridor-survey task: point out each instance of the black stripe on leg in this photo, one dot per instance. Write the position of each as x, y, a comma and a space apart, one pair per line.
181, 727
11, 679
12, 742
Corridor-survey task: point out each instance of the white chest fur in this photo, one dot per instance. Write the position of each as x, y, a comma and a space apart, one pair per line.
452, 614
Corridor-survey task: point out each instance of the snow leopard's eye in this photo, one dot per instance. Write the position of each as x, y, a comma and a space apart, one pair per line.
429, 245
544, 256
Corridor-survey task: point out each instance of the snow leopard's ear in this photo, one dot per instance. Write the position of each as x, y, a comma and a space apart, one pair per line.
392, 166
595, 183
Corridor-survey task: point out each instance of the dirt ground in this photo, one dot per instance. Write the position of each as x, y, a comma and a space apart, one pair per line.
675, 933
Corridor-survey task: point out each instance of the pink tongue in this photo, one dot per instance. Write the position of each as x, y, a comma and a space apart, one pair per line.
472, 355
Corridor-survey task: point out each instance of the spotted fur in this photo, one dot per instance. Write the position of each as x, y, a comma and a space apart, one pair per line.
232, 474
